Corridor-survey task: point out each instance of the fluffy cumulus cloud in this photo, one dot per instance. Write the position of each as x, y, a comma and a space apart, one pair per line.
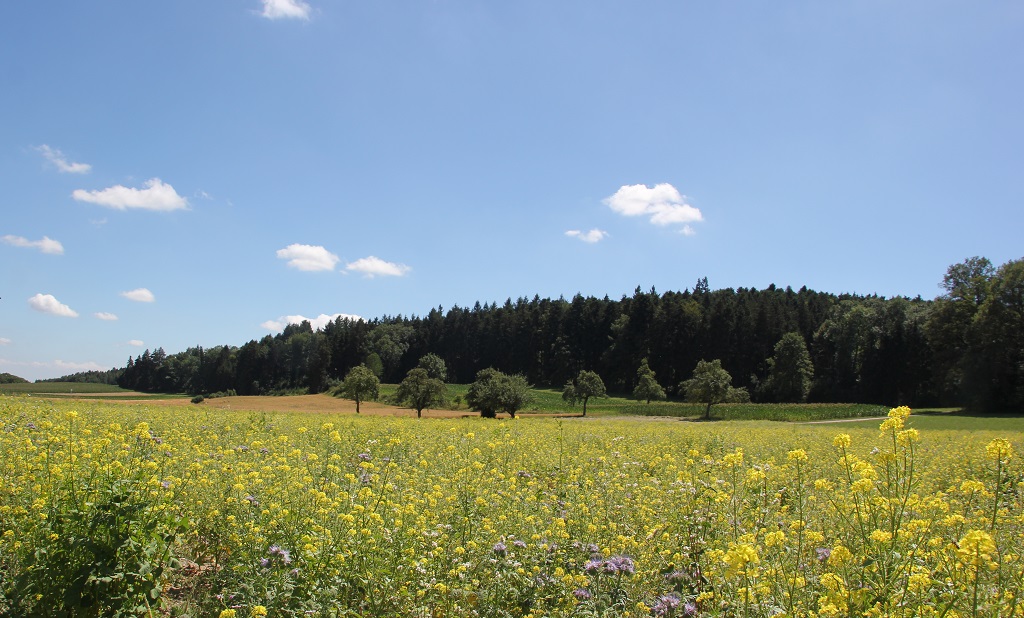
662, 203
373, 266
592, 236
139, 295
46, 244
308, 257
103, 315
57, 158
157, 195
46, 303
285, 9
317, 323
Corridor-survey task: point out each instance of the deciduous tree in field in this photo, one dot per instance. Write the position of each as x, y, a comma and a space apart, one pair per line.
710, 384
647, 387
790, 370
494, 391
360, 385
419, 391
586, 385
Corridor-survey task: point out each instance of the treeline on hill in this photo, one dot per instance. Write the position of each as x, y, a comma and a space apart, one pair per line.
110, 376
964, 348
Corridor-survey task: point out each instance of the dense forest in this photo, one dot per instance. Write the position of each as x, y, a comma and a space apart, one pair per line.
966, 347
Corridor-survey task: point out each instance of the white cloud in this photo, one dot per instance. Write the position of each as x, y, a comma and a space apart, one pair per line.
592, 236
139, 295
46, 303
136, 342
317, 323
308, 257
663, 204
687, 231
46, 245
5, 341
60, 161
156, 196
285, 9
103, 315
373, 266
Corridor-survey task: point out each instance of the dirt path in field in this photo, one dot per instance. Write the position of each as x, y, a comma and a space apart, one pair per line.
293, 403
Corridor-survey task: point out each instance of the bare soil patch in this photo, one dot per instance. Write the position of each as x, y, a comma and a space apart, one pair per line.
321, 403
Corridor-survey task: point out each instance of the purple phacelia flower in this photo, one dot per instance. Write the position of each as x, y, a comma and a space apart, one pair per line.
823, 553
615, 564
666, 604
582, 594
500, 548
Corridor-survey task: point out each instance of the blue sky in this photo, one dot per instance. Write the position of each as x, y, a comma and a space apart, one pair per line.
192, 172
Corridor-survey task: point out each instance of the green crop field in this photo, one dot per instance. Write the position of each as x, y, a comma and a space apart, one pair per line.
549, 401
55, 388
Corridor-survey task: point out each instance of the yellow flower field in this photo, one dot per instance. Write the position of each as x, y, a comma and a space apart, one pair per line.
133, 510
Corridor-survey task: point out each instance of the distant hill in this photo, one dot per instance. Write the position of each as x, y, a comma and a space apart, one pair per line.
8, 378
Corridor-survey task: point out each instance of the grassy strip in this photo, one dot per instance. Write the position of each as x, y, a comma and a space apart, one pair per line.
759, 411
549, 401
49, 388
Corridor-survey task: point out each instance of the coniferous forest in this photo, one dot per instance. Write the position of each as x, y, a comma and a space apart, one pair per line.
965, 347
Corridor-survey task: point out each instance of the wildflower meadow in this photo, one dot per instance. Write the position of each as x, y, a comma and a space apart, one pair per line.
127, 510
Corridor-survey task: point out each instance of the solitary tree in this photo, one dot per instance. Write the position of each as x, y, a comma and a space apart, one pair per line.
586, 385
515, 394
494, 391
710, 384
418, 390
360, 384
482, 392
647, 388
790, 370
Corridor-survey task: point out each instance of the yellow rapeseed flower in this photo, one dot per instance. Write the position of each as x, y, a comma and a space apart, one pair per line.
977, 548
1000, 449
